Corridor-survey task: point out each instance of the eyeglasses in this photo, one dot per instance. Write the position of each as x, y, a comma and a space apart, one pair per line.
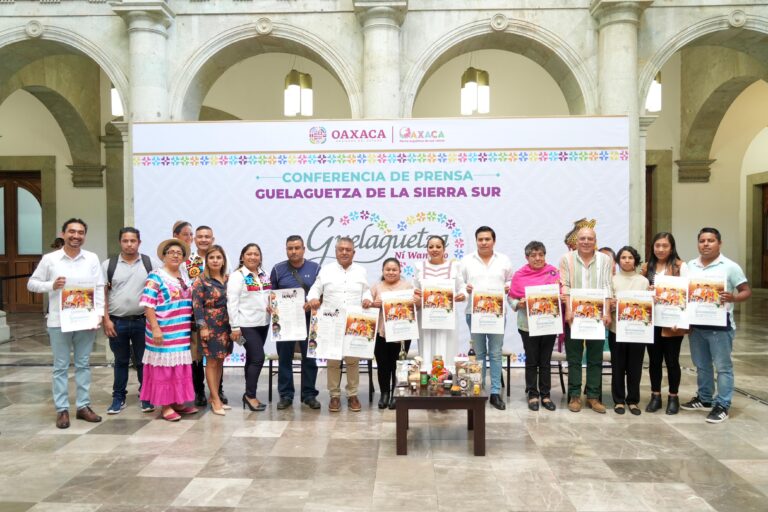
174, 253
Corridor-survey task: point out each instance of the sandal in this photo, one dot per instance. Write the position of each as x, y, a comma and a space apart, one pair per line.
173, 416
186, 410
619, 409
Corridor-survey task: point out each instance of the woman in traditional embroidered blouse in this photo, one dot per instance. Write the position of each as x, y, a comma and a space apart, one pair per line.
442, 342
247, 298
209, 303
167, 361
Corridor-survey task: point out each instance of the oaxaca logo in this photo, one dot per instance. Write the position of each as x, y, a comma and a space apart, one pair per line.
358, 134
317, 135
410, 135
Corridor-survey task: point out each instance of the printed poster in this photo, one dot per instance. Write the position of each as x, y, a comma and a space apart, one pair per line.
288, 320
437, 304
543, 310
77, 305
634, 316
588, 307
704, 304
671, 308
360, 332
326, 334
400, 321
488, 307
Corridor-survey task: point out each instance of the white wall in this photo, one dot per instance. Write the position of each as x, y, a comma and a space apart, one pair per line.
519, 87
253, 88
28, 129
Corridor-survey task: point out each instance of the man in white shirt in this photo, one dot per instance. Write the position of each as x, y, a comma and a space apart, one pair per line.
341, 284
486, 267
50, 277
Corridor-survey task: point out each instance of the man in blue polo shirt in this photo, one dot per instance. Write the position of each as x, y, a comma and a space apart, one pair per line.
712, 345
295, 272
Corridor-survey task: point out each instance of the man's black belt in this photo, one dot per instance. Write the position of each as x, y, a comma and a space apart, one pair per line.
128, 317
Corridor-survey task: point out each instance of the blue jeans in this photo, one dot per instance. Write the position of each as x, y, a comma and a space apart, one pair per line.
490, 345
130, 338
285, 371
710, 348
62, 343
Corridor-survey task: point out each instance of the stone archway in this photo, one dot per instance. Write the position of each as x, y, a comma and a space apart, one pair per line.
232, 46
46, 40
545, 48
749, 35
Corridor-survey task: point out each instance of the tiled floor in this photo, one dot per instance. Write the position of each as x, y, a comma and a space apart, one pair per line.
298, 459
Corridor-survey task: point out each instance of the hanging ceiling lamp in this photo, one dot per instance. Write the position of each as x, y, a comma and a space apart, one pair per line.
475, 92
653, 100
298, 98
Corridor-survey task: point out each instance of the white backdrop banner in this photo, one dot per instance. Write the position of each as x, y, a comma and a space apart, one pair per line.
387, 184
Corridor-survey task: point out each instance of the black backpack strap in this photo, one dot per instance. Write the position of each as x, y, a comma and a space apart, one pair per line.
297, 277
111, 266
147, 261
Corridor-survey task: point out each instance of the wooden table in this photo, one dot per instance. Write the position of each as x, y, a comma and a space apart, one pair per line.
423, 399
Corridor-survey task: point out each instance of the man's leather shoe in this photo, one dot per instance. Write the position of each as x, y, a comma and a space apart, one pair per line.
533, 404
284, 403
575, 404
62, 419
312, 403
223, 397
200, 400
335, 404
497, 402
354, 404
596, 405
87, 414
548, 404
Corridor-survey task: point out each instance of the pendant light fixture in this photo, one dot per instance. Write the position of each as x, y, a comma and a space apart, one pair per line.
475, 92
297, 97
653, 100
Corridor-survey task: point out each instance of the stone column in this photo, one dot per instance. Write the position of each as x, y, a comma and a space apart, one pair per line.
381, 20
119, 183
147, 21
618, 23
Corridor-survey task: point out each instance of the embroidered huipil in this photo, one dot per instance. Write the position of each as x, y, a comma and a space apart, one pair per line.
247, 298
172, 303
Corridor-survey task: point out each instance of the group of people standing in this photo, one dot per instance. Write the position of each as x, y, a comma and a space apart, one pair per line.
169, 316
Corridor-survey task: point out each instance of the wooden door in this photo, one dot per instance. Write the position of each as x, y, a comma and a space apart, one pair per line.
764, 284
20, 239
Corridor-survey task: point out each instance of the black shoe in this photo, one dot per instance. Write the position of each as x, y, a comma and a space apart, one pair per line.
619, 409
718, 414
497, 402
258, 408
634, 409
384, 400
392, 402
548, 404
533, 404
284, 403
694, 404
312, 403
655, 403
673, 405
223, 397
200, 400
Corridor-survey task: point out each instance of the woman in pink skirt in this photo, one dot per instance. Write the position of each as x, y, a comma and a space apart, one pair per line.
167, 302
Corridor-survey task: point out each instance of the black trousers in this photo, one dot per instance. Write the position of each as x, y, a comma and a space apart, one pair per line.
255, 338
667, 350
627, 370
538, 370
386, 361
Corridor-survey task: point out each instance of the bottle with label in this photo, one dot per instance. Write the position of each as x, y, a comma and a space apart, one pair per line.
472, 355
